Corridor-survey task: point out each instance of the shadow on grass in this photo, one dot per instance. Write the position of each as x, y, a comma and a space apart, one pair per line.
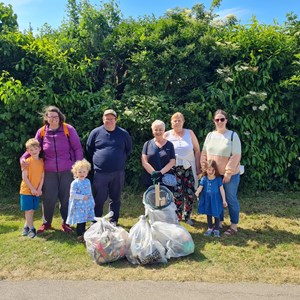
276, 204
269, 237
8, 228
58, 236
124, 263
282, 205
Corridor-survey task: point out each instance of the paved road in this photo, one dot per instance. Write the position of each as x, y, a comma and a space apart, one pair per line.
143, 290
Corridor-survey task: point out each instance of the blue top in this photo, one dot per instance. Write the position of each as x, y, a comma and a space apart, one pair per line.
80, 210
165, 154
211, 202
108, 149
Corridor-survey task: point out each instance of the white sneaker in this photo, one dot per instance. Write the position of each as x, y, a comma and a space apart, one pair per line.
189, 222
208, 232
217, 233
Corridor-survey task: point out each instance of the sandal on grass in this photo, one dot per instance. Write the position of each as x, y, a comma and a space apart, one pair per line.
230, 232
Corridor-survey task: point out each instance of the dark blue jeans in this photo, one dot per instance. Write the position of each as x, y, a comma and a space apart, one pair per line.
108, 185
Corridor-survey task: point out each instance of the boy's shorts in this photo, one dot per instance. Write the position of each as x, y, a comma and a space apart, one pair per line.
29, 202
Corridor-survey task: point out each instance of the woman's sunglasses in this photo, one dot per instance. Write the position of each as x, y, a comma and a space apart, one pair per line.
220, 120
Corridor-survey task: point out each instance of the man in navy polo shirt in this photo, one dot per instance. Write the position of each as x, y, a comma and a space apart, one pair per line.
108, 147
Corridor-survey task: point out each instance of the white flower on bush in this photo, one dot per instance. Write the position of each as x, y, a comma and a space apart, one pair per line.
235, 117
218, 23
224, 71
244, 68
262, 95
262, 107
254, 107
128, 112
246, 133
228, 79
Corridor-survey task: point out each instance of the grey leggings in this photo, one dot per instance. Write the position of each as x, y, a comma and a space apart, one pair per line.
56, 186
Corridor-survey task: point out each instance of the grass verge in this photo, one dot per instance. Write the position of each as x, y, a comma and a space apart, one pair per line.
266, 248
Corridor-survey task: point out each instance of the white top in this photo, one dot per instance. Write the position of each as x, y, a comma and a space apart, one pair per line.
184, 150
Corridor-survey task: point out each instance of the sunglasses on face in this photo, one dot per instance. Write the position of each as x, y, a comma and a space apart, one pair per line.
220, 120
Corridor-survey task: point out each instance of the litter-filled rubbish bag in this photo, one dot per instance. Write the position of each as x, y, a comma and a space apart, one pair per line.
174, 237
142, 248
106, 242
159, 204
158, 196
166, 214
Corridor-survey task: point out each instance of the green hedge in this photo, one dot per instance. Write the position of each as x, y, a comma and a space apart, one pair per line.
148, 69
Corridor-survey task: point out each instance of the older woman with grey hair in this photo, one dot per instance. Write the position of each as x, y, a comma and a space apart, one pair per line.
158, 155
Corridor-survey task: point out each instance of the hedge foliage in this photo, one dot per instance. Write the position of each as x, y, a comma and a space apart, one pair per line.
149, 68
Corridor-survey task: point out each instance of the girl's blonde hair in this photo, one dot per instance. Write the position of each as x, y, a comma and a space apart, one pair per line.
80, 164
210, 164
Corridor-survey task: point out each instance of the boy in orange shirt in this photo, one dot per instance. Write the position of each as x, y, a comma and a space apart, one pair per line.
31, 185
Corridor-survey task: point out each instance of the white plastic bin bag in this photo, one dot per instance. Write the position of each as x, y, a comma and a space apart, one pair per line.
142, 248
165, 214
105, 242
174, 237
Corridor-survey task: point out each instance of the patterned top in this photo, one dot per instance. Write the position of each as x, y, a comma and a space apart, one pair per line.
80, 210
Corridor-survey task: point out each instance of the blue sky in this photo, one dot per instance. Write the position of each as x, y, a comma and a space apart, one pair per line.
38, 12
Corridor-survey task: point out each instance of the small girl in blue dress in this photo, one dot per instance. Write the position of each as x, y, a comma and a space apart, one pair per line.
81, 203
212, 199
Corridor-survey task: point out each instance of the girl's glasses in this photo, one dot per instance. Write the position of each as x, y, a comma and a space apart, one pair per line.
220, 120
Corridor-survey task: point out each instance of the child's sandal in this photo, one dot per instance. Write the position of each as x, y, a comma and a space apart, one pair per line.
230, 232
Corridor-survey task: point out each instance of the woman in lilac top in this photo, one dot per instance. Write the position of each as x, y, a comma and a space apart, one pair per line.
61, 147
